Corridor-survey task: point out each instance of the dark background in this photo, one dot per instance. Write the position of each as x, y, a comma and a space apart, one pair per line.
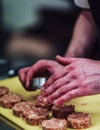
56, 26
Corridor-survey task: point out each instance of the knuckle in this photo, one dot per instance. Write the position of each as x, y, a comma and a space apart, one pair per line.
55, 84
62, 90
69, 95
50, 99
41, 61
80, 93
75, 74
54, 76
70, 67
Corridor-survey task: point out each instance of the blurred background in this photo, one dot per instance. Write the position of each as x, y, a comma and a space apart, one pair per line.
33, 29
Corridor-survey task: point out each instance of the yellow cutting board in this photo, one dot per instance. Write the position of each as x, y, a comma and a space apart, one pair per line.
87, 104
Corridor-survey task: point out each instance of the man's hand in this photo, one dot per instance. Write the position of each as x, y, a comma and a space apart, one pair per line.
80, 77
22, 75
45, 68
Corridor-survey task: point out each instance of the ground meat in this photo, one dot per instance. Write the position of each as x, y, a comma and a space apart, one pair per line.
3, 90
36, 116
54, 124
21, 107
39, 103
10, 99
62, 111
79, 120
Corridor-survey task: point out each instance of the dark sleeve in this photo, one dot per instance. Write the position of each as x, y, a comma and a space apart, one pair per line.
95, 9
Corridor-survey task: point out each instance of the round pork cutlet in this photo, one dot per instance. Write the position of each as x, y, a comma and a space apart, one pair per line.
21, 107
79, 120
3, 90
54, 124
10, 99
36, 116
62, 112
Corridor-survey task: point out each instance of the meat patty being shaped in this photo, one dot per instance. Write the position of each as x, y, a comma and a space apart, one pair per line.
3, 90
54, 124
79, 120
39, 103
10, 99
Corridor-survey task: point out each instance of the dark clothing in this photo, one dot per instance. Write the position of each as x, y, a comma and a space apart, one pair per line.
95, 9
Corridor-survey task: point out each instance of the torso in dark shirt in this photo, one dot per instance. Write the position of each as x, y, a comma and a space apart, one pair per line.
95, 9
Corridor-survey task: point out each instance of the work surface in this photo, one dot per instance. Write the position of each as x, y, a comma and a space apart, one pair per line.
87, 104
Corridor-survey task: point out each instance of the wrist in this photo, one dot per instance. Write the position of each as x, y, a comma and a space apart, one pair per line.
75, 52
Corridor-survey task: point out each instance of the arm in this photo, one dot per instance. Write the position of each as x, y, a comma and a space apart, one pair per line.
84, 35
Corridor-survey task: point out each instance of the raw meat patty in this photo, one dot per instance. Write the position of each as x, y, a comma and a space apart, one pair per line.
36, 116
54, 124
79, 120
3, 90
10, 99
62, 111
21, 107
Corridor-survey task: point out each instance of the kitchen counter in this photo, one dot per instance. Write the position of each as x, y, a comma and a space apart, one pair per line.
5, 126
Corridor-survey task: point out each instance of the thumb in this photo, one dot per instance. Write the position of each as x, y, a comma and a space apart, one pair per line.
64, 60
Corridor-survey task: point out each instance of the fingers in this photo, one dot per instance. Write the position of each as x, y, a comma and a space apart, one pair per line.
61, 91
22, 75
39, 66
30, 74
39, 98
57, 84
54, 77
61, 72
54, 86
64, 60
68, 96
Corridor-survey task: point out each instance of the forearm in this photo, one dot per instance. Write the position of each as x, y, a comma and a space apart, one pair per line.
84, 35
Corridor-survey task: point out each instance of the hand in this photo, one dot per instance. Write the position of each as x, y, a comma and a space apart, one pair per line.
22, 75
82, 78
41, 68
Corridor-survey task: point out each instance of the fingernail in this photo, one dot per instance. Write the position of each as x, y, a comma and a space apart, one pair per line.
44, 92
57, 103
42, 89
45, 101
39, 98
49, 100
